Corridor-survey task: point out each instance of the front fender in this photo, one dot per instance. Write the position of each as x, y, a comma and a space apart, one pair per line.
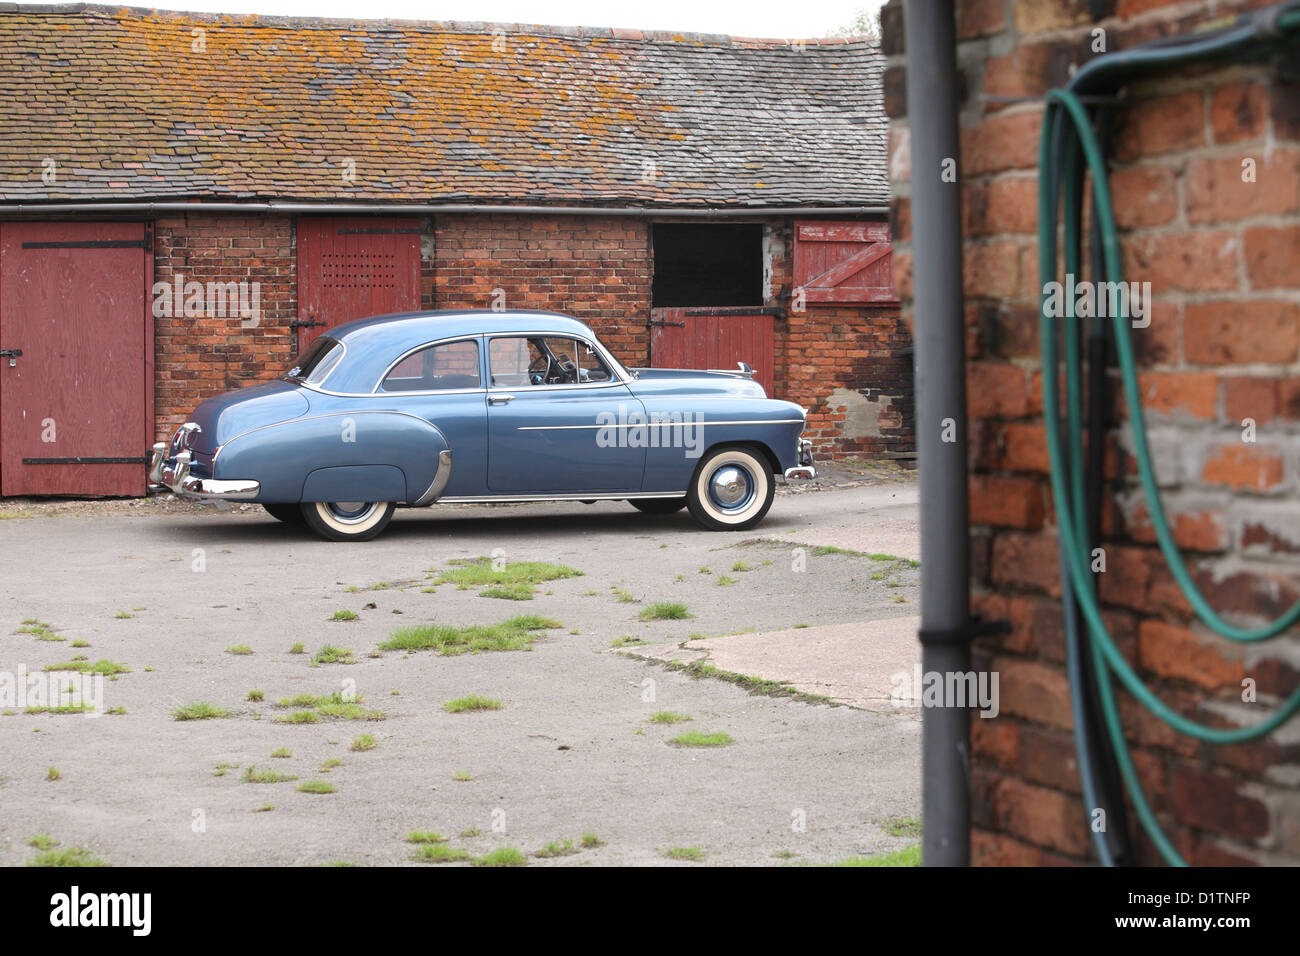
282, 456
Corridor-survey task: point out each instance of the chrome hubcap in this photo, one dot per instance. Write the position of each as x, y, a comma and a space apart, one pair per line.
731, 488
350, 512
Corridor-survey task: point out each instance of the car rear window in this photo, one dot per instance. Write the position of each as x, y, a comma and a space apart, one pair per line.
317, 362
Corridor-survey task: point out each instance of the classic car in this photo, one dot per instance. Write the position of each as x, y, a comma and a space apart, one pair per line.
483, 406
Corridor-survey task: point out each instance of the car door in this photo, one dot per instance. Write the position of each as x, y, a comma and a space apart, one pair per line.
557, 418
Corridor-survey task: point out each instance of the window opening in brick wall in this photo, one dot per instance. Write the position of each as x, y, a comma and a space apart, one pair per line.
707, 264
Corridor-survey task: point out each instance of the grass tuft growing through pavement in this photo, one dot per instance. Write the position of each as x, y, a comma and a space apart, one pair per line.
693, 738
199, 710
665, 611
473, 702
512, 580
516, 634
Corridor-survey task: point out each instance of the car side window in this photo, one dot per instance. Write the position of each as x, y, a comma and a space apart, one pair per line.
520, 362
446, 366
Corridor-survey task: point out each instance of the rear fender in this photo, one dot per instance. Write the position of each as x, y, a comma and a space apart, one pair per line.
281, 456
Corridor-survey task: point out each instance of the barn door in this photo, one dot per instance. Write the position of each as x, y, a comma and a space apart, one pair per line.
74, 406
713, 338
351, 268
843, 263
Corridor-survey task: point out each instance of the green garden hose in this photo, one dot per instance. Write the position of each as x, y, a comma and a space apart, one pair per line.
1280, 24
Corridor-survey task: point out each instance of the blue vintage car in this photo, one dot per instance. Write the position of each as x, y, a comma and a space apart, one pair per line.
479, 406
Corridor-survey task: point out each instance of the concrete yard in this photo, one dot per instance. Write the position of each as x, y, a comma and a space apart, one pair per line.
164, 588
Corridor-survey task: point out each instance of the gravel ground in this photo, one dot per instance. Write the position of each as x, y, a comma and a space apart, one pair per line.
165, 587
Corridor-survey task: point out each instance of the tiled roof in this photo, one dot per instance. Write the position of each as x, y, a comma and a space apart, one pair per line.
128, 106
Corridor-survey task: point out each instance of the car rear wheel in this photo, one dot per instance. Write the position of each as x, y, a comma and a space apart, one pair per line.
658, 506
732, 489
289, 514
347, 520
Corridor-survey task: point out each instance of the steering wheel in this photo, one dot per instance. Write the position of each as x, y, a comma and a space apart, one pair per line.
539, 370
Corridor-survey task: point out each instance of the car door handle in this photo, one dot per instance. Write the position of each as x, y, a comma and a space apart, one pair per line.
500, 399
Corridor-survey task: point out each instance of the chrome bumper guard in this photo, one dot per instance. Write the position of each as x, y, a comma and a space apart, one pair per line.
805, 469
175, 476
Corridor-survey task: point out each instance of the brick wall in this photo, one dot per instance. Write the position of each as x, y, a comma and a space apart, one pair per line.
850, 366
594, 268
197, 357
1223, 258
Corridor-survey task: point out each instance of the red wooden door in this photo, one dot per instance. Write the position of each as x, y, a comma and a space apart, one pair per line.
74, 407
713, 338
847, 263
354, 267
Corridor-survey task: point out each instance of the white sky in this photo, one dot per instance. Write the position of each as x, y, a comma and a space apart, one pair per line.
792, 19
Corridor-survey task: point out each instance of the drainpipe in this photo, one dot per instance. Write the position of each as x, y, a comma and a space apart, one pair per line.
940, 387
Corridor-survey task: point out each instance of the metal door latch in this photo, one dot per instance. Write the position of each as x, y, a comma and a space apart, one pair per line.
13, 355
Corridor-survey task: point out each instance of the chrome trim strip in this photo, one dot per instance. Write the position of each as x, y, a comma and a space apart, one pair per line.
436, 391
601, 496
648, 424
440, 479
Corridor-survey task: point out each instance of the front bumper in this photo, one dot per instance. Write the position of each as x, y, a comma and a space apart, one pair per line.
805, 469
174, 475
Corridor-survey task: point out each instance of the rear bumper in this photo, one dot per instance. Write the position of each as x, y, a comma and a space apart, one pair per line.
804, 470
174, 475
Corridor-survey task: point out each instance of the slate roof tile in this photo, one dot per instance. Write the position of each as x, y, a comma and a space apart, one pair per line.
276, 107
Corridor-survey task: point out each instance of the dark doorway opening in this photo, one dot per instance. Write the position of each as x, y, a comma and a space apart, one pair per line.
707, 264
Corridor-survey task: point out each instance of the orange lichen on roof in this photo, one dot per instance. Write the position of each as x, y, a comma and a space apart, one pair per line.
147, 104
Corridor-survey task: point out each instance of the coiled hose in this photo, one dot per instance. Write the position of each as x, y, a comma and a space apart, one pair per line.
1069, 143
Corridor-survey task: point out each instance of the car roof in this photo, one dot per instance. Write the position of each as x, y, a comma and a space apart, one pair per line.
374, 343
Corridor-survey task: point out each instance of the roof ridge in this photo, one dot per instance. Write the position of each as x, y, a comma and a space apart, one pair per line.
469, 27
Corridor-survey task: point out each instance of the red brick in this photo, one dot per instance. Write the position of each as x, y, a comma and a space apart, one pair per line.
1160, 125
1244, 467
996, 741
1175, 652
997, 849
977, 18
1216, 191
1002, 142
1193, 531
1238, 111
1212, 801
992, 269
1002, 206
1143, 196
1199, 261
1273, 257
1042, 816
1249, 397
996, 389
1008, 502
1235, 332
1191, 394
1033, 692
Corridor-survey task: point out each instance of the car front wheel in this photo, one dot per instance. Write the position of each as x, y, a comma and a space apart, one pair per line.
732, 489
347, 520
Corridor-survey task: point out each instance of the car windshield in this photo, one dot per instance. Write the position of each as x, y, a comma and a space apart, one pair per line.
317, 362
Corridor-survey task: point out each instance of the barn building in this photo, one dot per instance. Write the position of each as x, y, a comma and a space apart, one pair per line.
186, 200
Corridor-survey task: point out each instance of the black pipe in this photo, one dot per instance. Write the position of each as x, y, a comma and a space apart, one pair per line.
940, 375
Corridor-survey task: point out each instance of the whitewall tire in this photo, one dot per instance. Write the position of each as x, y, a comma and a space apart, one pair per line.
732, 489
347, 520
